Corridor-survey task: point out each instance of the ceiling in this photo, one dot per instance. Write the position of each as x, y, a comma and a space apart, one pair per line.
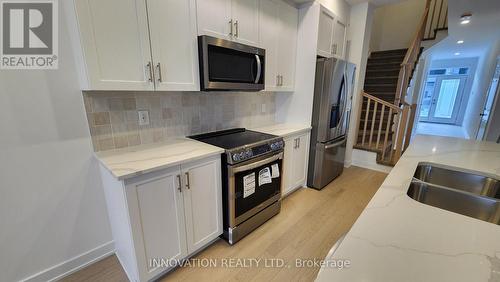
481, 33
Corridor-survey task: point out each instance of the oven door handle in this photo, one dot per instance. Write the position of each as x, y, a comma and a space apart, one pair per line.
259, 68
258, 163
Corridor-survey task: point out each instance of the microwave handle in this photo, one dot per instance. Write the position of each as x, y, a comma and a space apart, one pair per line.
259, 68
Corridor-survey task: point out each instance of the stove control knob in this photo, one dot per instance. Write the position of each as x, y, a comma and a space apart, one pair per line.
242, 156
236, 157
274, 146
249, 153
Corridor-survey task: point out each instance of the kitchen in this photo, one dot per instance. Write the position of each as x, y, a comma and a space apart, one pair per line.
155, 141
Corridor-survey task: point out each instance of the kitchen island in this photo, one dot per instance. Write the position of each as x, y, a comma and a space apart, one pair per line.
397, 238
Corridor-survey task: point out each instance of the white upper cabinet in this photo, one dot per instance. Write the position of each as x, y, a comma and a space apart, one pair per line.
331, 35
172, 26
236, 20
115, 41
278, 35
269, 29
214, 18
325, 33
245, 15
287, 46
339, 38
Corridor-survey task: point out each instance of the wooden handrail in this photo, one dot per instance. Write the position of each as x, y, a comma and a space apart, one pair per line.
418, 36
411, 56
380, 101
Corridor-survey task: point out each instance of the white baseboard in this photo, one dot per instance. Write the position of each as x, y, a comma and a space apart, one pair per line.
74, 264
368, 160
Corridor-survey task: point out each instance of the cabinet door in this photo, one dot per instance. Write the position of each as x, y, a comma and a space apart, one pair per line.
325, 33
245, 15
339, 33
156, 210
115, 40
213, 18
300, 157
288, 160
172, 26
202, 202
268, 30
287, 45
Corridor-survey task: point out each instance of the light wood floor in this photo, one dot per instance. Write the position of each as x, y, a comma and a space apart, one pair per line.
309, 224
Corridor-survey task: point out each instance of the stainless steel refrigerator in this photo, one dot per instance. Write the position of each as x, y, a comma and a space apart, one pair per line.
330, 120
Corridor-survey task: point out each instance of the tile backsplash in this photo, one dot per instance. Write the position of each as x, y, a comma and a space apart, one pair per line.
114, 121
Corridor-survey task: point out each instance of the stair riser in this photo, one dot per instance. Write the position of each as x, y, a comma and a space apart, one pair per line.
389, 53
381, 80
383, 66
386, 60
381, 73
379, 88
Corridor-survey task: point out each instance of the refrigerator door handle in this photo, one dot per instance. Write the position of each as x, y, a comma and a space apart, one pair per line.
340, 123
336, 144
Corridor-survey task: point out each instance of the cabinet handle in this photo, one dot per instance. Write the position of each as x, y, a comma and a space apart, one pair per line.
179, 182
231, 27
149, 68
298, 143
187, 181
236, 27
158, 66
281, 84
278, 80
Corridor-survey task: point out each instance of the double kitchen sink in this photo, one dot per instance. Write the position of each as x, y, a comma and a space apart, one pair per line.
470, 194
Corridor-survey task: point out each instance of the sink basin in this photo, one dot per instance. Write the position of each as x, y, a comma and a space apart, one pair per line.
468, 204
469, 182
469, 194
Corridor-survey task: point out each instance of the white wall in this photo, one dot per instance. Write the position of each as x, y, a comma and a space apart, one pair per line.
52, 206
394, 25
359, 32
485, 70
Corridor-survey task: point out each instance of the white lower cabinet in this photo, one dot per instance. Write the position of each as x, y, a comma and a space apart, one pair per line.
295, 162
164, 216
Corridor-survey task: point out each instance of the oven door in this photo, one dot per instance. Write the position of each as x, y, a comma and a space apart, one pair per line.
253, 186
227, 65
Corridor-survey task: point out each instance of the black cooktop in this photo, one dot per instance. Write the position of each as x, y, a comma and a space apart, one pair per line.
233, 138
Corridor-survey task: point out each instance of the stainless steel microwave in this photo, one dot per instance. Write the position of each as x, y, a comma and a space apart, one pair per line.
228, 65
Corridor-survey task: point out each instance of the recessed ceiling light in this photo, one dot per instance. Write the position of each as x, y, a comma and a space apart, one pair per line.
460, 42
465, 18
457, 53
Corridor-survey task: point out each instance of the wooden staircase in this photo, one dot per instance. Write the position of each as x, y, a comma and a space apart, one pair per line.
386, 120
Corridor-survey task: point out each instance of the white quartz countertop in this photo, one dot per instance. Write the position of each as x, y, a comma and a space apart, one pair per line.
133, 161
283, 129
399, 239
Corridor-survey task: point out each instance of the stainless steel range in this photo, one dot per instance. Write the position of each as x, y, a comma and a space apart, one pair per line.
251, 178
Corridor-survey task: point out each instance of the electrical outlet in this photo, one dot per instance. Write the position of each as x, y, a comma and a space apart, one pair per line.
263, 108
143, 117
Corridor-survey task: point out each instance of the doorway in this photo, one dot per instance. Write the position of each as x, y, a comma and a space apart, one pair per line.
443, 95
